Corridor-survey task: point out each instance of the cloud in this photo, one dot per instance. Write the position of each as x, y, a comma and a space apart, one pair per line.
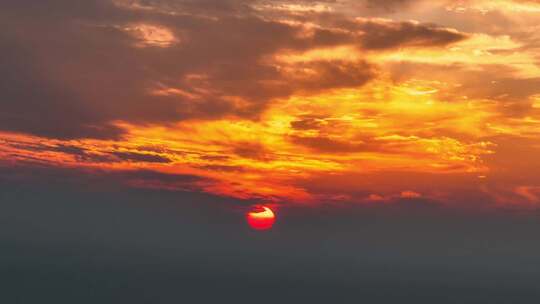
140, 157
251, 150
329, 145
51, 176
76, 83
259, 98
380, 34
111, 61
410, 194
387, 4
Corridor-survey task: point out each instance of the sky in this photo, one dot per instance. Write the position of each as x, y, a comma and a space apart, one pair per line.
65, 242
396, 141
293, 102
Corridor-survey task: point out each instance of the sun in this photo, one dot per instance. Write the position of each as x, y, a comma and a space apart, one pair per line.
261, 218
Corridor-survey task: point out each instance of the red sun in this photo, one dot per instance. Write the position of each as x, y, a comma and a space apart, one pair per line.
261, 218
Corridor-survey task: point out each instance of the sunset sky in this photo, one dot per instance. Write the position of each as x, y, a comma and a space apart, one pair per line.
334, 119
296, 102
293, 102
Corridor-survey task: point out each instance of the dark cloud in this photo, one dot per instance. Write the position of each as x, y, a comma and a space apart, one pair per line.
73, 150
150, 175
387, 4
97, 179
386, 35
252, 150
325, 144
222, 168
75, 71
307, 123
139, 157
82, 154
72, 75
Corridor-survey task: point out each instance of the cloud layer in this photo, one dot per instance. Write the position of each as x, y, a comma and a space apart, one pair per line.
278, 100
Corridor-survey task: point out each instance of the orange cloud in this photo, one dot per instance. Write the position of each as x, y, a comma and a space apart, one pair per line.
410, 194
291, 102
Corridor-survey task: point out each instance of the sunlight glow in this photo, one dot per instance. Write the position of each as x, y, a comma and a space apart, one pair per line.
261, 218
